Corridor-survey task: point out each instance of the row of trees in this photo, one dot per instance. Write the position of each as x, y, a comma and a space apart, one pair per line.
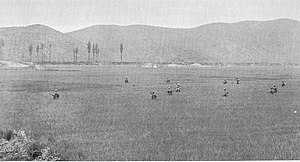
40, 52
43, 55
94, 49
95, 52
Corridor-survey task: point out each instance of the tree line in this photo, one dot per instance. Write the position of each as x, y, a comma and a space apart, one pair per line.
93, 52
41, 52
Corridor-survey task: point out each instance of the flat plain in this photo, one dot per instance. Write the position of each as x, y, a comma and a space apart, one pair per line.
107, 119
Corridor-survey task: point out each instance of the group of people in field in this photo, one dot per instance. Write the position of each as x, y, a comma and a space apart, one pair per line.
226, 93
169, 91
274, 88
237, 81
169, 88
55, 95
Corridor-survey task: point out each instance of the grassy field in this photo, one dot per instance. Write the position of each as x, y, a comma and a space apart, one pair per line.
107, 119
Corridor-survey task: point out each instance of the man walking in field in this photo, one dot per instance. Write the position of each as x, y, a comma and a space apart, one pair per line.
169, 91
283, 84
273, 89
237, 81
55, 95
126, 80
153, 96
168, 80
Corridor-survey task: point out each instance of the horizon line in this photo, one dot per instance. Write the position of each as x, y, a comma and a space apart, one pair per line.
117, 25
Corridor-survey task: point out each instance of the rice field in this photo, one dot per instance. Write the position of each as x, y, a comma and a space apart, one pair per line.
107, 119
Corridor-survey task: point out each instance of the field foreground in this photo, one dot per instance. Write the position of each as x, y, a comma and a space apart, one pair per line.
107, 119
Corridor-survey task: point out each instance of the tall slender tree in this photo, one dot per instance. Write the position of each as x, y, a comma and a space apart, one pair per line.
75, 53
89, 49
37, 51
97, 53
42, 51
30, 52
93, 51
1, 48
76, 56
50, 45
121, 50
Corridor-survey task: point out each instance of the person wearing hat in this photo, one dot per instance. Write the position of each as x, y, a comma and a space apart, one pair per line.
153, 96
169, 91
168, 80
273, 89
283, 84
55, 95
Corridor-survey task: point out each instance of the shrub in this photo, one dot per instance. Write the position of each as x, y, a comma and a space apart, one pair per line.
15, 145
8, 135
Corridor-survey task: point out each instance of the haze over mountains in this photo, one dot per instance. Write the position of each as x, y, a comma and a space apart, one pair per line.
248, 41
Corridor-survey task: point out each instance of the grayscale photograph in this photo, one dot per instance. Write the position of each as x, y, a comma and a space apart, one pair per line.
149, 80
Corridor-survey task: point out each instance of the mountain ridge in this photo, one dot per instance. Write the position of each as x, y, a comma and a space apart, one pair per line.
47, 44
243, 41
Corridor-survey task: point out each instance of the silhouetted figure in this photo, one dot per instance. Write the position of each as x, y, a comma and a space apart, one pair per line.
168, 80
283, 84
224, 81
153, 96
237, 81
273, 89
126, 80
226, 93
55, 94
169, 91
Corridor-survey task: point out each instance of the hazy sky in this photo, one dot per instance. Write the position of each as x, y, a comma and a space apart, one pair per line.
68, 15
